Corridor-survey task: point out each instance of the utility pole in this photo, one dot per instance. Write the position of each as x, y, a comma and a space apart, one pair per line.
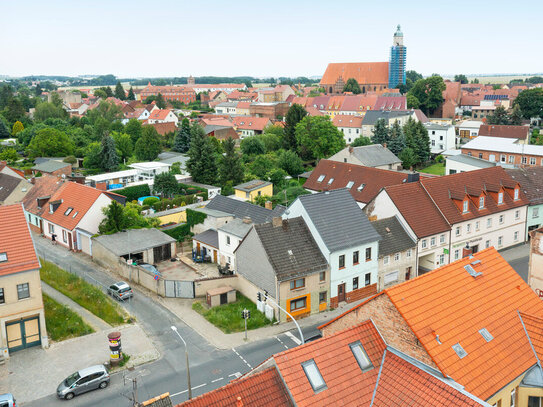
134, 394
246, 314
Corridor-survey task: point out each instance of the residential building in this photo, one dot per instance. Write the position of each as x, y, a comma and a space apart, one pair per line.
531, 184
35, 201
279, 93
248, 191
230, 236
206, 244
398, 57
364, 183
139, 113
282, 258
247, 126
271, 110
504, 150
183, 94
350, 126
148, 170
464, 163
389, 116
373, 155
442, 137
391, 101
52, 167
214, 87
112, 180
226, 108
240, 209
243, 108
521, 133
475, 320
162, 116
73, 214
469, 129
535, 264
397, 253
483, 110
165, 129
22, 318
347, 240
13, 188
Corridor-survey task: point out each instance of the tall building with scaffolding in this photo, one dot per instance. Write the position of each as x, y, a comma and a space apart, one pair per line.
396, 66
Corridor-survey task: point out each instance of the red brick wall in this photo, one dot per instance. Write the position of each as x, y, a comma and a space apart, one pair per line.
66, 171
390, 324
518, 157
355, 295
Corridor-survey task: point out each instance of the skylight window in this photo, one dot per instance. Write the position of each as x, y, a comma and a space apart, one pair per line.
3, 257
350, 184
321, 178
484, 332
75, 214
460, 351
330, 181
361, 187
68, 211
314, 375
361, 356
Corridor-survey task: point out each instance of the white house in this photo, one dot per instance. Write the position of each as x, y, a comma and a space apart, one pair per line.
346, 239
350, 126
442, 137
464, 163
226, 108
230, 236
162, 116
469, 128
138, 114
148, 170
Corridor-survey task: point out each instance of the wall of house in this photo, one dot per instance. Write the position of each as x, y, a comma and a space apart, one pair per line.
510, 158
179, 217
442, 139
350, 133
211, 222
60, 232
226, 251
265, 191
431, 256
210, 250
33, 221
18, 193
534, 219
94, 215
344, 156
458, 167
407, 261
250, 290
388, 321
535, 269
521, 397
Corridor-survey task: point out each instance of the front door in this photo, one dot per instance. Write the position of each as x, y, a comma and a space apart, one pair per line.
407, 273
70, 240
214, 256
341, 292
224, 298
23, 334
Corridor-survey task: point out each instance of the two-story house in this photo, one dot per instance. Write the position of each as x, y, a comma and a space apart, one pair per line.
22, 318
162, 116
282, 258
347, 240
442, 137
531, 183
230, 235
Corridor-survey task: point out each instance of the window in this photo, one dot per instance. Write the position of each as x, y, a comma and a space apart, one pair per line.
481, 202
456, 254
501, 219
465, 207
424, 243
516, 193
484, 332
397, 257
500, 241
433, 241
2, 298
517, 214
298, 304
524, 160
350, 184
361, 356
433, 143
489, 223
313, 375
535, 213
321, 178
322, 276
23, 291
3, 257
532, 161
458, 230
460, 351
51, 228
296, 284
481, 155
368, 254
511, 159
502, 158
68, 211
408, 253
228, 240
468, 228
515, 236
342, 261
64, 236
322, 297
477, 225
442, 239
367, 279
330, 181
391, 277
356, 255
355, 283
487, 244
441, 259
386, 259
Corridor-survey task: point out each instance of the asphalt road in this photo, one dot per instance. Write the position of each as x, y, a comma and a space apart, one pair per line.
210, 368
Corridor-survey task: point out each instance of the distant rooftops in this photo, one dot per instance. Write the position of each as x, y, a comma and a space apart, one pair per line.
252, 185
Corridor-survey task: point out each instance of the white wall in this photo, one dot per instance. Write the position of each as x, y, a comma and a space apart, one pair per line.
94, 215
226, 251
442, 139
458, 167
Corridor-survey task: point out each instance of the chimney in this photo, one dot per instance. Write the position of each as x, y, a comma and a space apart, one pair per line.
351, 149
385, 145
33, 180
247, 220
239, 403
268, 205
414, 177
277, 221
466, 251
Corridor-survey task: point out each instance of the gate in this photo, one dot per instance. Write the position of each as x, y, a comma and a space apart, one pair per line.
179, 289
23, 334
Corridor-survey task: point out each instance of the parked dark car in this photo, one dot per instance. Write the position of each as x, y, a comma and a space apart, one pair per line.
120, 291
82, 381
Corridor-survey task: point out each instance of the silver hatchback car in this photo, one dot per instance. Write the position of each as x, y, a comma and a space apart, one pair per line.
120, 291
82, 381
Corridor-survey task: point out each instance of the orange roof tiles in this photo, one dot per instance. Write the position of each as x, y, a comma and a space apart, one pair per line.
164, 128
494, 130
347, 120
16, 241
263, 389
44, 186
251, 122
363, 72
449, 302
159, 114
534, 328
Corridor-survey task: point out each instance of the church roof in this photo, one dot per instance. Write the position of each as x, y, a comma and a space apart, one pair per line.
363, 72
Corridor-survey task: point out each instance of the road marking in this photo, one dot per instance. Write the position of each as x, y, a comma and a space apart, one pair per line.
237, 375
216, 380
296, 340
184, 391
241, 357
200, 385
282, 343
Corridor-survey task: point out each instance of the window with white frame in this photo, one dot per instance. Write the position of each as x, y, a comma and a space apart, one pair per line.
515, 236
441, 259
228, 240
465, 207
535, 213
524, 160
313, 375
385, 259
517, 214
487, 244
477, 225
511, 159
51, 228
513, 398
408, 253
433, 241
458, 230
501, 219
397, 257
64, 236
500, 198
468, 228
532, 160
500, 241
489, 223
457, 254
516, 193
424, 243
442, 239
481, 202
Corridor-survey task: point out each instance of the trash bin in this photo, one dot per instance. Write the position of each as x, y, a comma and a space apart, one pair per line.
115, 347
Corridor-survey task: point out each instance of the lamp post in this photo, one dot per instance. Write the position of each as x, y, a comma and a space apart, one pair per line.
174, 328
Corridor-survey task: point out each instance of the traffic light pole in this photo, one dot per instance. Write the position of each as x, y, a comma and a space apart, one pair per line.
266, 298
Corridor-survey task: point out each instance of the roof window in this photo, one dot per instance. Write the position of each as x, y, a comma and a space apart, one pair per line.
314, 375
361, 187
330, 181
68, 211
3, 257
321, 178
460, 351
75, 214
361, 356
465, 207
350, 184
484, 332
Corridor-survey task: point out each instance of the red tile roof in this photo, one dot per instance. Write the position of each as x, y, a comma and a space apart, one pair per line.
363, 72
164, 128
263, 389
159, 114
373, 179
44, 186
16, 241
216, 121
73, 195
390, 103
313, 111
346, 120
452, 91
243, 105
494, 130
534, 328
251, 123
136, 113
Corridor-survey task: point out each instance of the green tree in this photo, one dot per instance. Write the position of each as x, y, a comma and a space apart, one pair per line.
428, 92
202, 163
70, 160
422, 141
6, 94
461, 78
4, 132
101, 93
352, 86
133, 128
530, 102
47, 110
14, 110
160, 102
165, 184
109, 160
475, 81
50, 142
131, 95
108, 91
290, 162
397, 139
294, 115
252, 146
107, 111
124, 146
408, 157
92, 156
119, 91
499, 116
9, 154
380, 133
181, 142
175, 168
361, 141
412, 102
230, 167
38, 91
261, 165
319, 137
272, 137
277, 177
17, 127
516, 116
148, 146
115, 219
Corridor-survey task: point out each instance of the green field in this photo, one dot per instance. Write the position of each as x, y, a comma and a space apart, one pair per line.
62, 323
436, 169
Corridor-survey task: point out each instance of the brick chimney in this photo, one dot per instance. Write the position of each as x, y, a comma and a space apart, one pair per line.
247, 220
351, 149
239, 403
467, 251
268, 205
277, 221
385, 145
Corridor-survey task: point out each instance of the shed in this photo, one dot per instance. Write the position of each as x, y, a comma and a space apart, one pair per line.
220, 296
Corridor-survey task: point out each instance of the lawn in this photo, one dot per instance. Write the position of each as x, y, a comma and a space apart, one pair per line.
228, 317
436, 169
62, 323
83, 293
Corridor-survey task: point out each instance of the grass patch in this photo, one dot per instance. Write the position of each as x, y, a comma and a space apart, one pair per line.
62, 323
436, 169
228, 318
83, 293
124, 360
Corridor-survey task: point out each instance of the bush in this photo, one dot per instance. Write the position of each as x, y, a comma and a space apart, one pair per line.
179, 233
440, 159
135, 192
150, 201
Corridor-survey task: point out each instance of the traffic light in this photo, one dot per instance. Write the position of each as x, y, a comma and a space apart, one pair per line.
243, 314
248, 314
259, 296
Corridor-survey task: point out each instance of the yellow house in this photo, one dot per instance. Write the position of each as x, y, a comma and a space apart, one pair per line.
250, 190
175, 215
22, 318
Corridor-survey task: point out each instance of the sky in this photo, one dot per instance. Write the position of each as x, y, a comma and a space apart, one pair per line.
134, 38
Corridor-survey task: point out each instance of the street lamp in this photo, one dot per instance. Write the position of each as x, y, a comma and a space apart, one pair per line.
174, 328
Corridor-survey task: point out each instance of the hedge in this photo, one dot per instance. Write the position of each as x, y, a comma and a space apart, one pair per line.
135, 192
181, 232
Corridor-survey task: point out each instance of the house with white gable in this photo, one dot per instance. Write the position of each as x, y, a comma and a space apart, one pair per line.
162, 116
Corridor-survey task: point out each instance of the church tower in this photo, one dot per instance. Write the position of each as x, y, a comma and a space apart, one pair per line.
396, 65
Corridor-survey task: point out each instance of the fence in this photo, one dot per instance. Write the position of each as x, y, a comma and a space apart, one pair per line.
179, 288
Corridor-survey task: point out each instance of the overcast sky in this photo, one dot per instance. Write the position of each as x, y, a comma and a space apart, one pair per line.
133, 38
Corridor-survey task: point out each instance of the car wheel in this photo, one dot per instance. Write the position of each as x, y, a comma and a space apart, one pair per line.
69, 396
103, 385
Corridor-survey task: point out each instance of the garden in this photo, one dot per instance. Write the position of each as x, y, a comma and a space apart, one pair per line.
62, 323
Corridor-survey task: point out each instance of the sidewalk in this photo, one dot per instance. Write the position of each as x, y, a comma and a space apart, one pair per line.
183, 309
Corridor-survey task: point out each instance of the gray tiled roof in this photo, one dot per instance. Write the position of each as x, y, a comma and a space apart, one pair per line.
476, 162
49, 166
371, 116
531, 182
252, 185
7, 185
241, 209
395, 239
236, 227
291, 249
338, 219
134, 240
375, 155
213, 212
209, 237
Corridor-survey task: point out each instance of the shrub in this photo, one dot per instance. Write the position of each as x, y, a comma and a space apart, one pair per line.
150, 201
135, 192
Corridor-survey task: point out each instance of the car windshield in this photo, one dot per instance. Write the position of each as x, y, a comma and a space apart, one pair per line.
124, 289
72, 379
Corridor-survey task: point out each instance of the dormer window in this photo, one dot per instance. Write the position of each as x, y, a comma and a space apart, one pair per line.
481, 202
516, 193
321, 178
500, 198
465, 207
